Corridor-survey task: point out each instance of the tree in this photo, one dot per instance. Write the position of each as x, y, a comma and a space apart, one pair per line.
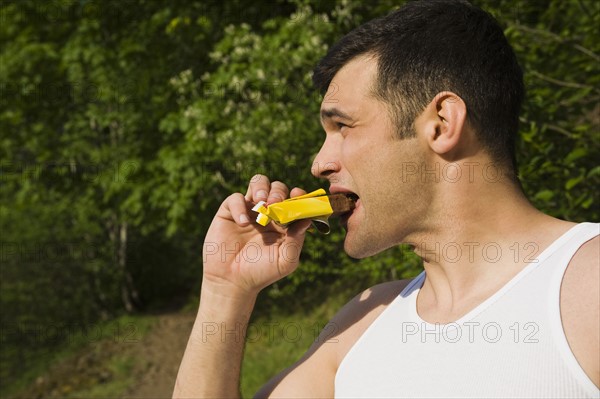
126, 123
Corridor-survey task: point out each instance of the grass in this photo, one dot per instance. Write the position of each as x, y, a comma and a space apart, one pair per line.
119, 331
105, 366
121, 367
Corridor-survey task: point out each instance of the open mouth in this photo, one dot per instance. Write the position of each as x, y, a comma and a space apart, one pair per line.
343, 204
346, 215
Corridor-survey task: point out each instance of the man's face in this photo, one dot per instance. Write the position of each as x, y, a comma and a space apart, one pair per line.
362, 155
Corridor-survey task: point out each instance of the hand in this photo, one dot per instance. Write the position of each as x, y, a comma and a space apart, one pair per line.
240, 254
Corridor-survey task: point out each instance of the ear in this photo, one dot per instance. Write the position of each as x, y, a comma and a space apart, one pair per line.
445, 118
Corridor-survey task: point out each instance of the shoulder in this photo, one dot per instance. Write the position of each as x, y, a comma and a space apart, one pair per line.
314, 374
582, 276
359, 313
579, 307
583, 273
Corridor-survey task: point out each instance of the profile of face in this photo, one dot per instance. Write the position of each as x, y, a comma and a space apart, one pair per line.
363, 155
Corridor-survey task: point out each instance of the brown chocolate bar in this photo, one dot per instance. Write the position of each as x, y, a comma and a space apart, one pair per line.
341, 203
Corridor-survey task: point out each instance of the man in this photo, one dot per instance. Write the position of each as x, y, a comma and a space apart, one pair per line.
420, 115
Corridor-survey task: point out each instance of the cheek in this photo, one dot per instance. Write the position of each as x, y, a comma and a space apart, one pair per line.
360, 155
384, 191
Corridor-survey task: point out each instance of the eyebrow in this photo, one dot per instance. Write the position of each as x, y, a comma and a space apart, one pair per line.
331, 112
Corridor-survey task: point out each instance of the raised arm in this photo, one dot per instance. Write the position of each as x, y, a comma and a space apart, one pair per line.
240, 258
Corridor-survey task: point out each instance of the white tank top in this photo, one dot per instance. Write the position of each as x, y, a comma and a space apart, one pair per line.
511, 345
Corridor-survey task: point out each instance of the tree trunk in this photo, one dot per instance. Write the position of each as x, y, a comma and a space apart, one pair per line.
129, 294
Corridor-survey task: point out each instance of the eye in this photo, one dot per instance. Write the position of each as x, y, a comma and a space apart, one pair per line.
340, 125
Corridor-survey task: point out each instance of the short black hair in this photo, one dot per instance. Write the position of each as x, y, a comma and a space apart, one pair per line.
430, 46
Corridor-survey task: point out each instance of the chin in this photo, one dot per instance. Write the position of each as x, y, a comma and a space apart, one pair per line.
360, 248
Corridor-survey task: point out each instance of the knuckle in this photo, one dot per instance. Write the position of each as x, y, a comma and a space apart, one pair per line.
279, 191
257, 178
235, 197
279, 185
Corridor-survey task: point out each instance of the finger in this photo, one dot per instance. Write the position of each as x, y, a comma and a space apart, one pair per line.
258, 188
297, 230
293, 243
278, 193
234, 207
296, 192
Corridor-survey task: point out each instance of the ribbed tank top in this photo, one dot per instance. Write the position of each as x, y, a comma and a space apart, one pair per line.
511, 345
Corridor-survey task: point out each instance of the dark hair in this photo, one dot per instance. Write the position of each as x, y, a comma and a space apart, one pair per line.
430, 46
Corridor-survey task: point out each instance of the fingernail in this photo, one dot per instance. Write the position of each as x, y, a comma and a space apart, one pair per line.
244, 219
261, 195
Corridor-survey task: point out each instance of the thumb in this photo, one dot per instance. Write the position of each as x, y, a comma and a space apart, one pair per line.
296, 233
298, 229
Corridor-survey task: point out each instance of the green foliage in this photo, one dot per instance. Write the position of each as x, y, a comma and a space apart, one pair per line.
556, 43
561, 132
125, 124
116, 337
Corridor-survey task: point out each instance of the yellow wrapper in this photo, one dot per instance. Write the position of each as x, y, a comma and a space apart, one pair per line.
314, 205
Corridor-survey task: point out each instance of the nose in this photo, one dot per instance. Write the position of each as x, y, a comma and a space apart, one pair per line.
326, 164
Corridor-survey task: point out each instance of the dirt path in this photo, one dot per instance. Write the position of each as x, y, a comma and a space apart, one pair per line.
141, 369
161, 351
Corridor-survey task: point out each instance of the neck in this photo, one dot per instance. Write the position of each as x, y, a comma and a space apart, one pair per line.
477, 236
